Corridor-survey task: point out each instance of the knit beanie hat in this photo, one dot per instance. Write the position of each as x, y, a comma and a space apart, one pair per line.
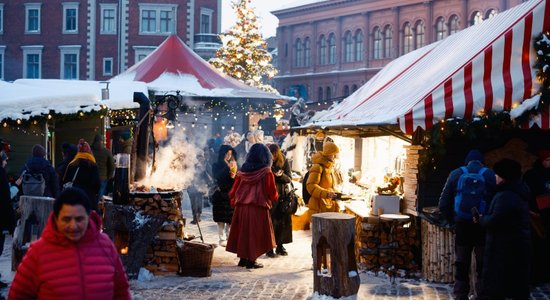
474, 154
544, 154
330, 148
38, 151
83, 146
508, 169
125, 135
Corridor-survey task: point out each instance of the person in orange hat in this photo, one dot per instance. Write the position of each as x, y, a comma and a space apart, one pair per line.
82, 172
320, 183
538, 181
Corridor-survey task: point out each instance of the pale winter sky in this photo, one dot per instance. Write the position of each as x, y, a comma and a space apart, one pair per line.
268, 22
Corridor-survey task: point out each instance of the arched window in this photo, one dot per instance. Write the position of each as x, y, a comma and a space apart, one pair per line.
407, 38
322, 50
320, 94
298, 58
307, 52
348, 47
328, 93
388, 42
440, 29
359, 46
419, 35
453, 24
354, 88
345, 92
377, 43
331, 49
491, 13
477, 18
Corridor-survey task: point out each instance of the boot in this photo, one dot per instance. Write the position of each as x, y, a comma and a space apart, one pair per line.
281, 250
243, 262
270, 253
253, 265
222, 241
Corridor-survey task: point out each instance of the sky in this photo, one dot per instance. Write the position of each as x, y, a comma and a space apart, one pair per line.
268, 22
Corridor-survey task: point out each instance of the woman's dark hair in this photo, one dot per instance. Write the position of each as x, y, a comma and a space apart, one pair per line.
508, 169
72, 196
223, 150
258, 157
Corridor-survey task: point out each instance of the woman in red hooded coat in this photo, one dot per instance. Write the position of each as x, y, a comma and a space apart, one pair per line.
72, 259
252, 196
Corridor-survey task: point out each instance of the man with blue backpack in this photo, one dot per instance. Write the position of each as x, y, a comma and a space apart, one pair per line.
467, 192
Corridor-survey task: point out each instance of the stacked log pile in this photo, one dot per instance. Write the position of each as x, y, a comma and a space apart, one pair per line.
374, 245
410, 180
437, 253
162, 257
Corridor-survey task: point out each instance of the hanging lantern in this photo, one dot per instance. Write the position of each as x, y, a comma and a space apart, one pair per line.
160, 132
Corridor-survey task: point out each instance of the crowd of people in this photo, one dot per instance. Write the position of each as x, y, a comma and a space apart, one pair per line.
498, 228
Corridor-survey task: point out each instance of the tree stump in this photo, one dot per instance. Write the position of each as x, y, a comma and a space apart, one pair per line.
132, 232
34, 216
333, 250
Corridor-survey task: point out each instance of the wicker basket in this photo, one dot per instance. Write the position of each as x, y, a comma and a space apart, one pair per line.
195, 259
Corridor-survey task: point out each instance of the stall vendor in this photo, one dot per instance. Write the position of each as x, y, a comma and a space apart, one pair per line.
321, 181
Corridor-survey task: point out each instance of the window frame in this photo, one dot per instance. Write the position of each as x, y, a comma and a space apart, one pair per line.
376, 43
454, 24
477, 18
419, 35
158, 18
142, 50
387, 36
208, 13
32, 50
1, 18
328, 93
66, 7
108, 7
359, 45
441, 29
331, 49
298, 54
2, 61
320, 94
408, 41
491, 13
69, 50
32, 7
307, 52
348, 47
105, 60
323, 50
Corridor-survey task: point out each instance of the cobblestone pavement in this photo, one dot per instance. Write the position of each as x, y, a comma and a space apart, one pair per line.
283, 277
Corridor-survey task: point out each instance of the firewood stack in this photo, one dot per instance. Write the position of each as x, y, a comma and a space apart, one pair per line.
410, 182
162, 258
437, 253
376, 246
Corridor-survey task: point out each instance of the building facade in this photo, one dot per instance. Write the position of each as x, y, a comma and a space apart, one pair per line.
328, 49
97, 39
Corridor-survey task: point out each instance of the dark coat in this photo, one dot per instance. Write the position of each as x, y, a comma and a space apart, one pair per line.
467, 233
282, 223
104, 160
86, 179
221, 207
508, 243
7, 216
43, 166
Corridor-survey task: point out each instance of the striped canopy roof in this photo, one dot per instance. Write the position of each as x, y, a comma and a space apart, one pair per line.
486, 67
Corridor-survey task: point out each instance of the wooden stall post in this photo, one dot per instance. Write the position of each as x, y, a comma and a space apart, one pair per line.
34, 216
333, 250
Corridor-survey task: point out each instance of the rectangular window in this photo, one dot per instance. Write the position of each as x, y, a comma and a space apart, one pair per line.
70, 17
108, 19
70, 66
1, 63
205, 23
157, 18
32, 18
33, 66
107, 66
70, 57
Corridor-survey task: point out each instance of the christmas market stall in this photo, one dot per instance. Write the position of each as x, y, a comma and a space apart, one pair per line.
490, 94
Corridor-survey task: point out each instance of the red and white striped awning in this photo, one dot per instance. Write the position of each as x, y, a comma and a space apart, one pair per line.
487, 67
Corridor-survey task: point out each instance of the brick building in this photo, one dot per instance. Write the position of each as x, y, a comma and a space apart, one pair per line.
328, 49
97, 39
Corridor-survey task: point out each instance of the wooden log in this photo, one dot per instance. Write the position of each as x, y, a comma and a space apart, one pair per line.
34, 216
334, 265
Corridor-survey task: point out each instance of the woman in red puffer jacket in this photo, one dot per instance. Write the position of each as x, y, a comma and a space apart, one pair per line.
72, 259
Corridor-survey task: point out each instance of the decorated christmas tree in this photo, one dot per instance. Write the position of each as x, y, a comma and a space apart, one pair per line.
244, 54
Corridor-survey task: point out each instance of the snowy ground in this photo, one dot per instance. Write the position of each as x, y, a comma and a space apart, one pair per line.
288, 277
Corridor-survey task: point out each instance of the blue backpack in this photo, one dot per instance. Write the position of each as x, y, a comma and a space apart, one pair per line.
470, 192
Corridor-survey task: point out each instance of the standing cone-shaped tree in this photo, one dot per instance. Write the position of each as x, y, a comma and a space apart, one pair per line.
244, 54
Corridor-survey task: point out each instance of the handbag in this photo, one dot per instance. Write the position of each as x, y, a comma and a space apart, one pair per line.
69, 184
288, 203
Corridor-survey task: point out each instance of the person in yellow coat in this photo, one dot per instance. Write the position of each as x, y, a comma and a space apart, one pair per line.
321, 181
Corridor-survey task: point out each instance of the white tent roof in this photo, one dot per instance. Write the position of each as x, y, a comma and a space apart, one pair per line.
487, 67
